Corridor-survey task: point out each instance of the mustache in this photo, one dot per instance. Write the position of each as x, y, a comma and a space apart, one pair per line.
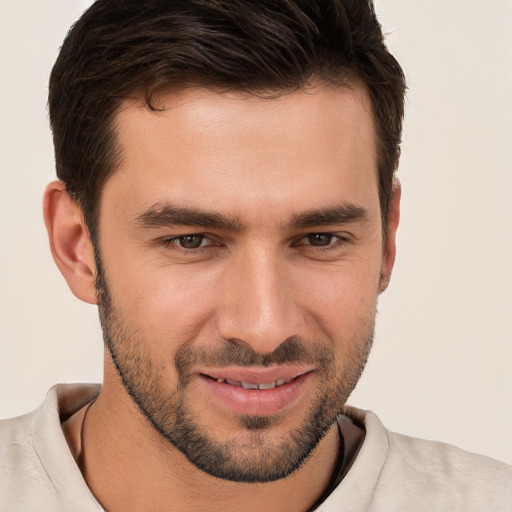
293, 350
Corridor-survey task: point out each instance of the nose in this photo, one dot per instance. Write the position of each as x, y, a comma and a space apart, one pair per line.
260, 306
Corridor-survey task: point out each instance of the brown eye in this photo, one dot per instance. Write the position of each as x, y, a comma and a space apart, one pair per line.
320, 239
190, 241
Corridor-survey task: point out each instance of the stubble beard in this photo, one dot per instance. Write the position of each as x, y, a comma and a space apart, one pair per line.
254, 455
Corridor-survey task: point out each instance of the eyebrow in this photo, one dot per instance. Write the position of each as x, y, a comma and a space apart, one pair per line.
165, 215
341, 214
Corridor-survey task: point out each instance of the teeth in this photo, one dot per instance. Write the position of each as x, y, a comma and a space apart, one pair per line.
251, 385
268, 385
248, 385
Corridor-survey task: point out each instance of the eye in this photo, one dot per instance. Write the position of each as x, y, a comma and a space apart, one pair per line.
188, 241
320, 239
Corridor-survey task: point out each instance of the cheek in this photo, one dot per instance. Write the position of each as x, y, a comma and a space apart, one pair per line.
342, 300
168, 306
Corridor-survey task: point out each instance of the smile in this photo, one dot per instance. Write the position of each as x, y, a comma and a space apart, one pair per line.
253, 385
256, 392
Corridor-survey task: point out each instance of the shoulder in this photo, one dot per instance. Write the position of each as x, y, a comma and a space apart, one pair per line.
399, 473
36, 467
20, 465
444, 474
15, 438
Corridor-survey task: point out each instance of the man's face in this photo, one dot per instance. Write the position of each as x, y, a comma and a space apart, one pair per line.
241, 255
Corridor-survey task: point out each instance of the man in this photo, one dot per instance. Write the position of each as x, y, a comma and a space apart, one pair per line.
227, 198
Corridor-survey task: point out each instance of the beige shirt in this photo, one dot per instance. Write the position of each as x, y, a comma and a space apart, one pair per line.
392, 472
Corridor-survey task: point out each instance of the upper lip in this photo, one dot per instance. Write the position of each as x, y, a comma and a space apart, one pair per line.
255, 375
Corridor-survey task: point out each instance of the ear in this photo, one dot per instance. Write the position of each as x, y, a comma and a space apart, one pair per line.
69, 241
390, 249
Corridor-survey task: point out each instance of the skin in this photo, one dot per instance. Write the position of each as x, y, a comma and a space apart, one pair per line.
253, 284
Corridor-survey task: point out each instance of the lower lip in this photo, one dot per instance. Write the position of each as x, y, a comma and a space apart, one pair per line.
257, 402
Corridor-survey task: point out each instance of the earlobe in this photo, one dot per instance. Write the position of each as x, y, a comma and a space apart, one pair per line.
69, 241
391, 229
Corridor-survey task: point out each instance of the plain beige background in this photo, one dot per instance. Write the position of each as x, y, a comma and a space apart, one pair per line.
441, 367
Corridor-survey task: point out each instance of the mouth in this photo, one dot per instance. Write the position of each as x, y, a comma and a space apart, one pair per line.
254, 385
259, 392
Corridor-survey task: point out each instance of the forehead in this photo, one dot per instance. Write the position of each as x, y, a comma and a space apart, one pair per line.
228, 150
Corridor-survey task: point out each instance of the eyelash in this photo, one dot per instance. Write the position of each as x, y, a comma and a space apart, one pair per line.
335, 241
167, 242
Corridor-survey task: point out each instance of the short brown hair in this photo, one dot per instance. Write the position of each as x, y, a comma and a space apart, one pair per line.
120, 48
